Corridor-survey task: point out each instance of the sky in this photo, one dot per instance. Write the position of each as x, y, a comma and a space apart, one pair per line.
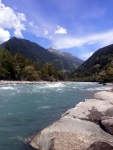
79, 27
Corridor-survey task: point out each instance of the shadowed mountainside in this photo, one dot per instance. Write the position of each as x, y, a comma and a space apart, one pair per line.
39, 54
99, 67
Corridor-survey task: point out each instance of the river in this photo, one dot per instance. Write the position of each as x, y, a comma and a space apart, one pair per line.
28, 108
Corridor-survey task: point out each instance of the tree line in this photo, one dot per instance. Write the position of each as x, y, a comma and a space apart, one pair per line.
100, 71
19, 67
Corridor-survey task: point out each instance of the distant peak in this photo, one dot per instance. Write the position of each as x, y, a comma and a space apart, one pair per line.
14, 37
51, 48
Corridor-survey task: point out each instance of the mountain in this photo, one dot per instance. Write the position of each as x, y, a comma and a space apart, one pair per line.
99, 67
74, 60
39, 54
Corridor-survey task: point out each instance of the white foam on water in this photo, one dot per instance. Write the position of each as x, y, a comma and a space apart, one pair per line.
74, 87
10, 114
7, 88
80, 87
18, 137
44, 107
36, 90
6, 100
50, 85
56, 85
84, 83
60, 90
43, 88
99, 89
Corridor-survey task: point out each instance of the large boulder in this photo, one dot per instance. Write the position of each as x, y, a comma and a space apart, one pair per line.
78, 128
70, 134
93, 109
104, 96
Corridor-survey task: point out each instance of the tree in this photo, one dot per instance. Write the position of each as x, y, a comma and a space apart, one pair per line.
109, 74
19, 67
102, 77
30, 74
6, 65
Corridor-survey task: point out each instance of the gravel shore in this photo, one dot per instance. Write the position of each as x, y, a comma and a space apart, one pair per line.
22, 82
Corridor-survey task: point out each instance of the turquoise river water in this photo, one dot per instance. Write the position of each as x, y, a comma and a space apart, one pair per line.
26, 109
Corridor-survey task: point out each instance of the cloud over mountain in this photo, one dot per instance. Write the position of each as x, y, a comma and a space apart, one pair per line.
12, 20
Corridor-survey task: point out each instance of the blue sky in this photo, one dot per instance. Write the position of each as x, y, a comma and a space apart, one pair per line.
76, 26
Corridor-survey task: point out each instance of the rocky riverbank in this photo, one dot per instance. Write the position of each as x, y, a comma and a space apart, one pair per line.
22, 82
88, 126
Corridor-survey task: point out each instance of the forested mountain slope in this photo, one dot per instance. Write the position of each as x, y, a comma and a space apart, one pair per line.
75, 61
21, 68
99, 67
39, 54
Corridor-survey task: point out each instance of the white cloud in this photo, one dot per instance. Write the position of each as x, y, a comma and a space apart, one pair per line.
31, 24
4, 35
9, 19
67, 42
46, 32
60, 30
87, 55
18, 33
50, 37
101, 39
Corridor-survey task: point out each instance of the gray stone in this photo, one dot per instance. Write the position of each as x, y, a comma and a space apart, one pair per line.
76, 130
100, 146
104, 96
93, 109
107, 123
70, 134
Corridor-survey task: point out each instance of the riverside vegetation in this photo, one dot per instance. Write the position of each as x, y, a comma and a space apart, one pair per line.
19, 67
63, 62
98, 68
21, 59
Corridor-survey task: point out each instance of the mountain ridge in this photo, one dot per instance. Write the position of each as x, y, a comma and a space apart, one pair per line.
39, 54
66, 55
99, 67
